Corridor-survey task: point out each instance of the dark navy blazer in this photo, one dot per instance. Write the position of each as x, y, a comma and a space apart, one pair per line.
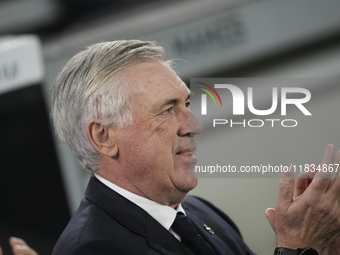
107, 223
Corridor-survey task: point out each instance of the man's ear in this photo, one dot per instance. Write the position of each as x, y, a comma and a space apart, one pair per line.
102, 138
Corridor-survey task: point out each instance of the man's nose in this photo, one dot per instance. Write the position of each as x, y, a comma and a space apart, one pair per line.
196, 125
189, 124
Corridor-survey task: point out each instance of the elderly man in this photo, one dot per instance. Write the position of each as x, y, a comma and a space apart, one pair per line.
124, 113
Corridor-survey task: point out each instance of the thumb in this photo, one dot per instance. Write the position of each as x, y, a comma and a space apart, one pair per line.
286, 190
270, 214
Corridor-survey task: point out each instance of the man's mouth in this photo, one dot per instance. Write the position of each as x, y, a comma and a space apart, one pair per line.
188, 154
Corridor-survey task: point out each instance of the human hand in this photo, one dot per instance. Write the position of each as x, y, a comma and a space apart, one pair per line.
301, 184
307, 215
20, 247
333, 248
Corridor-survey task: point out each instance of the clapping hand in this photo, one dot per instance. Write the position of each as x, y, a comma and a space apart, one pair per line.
307, 211
19, 247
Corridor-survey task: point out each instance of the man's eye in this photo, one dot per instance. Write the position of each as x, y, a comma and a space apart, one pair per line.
187, 104
168, 111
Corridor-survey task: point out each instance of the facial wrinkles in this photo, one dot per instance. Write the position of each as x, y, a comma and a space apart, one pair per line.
154, 138
151, 124
171, 79
154, 126
151, 118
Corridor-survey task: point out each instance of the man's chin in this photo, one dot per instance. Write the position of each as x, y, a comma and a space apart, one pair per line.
188, 185
182, 192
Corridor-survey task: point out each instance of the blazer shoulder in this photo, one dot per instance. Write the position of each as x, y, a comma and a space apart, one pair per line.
106, 247
74, 230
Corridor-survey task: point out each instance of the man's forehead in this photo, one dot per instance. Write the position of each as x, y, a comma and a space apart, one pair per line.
154, 76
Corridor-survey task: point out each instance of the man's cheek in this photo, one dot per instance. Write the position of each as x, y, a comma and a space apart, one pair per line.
162, 128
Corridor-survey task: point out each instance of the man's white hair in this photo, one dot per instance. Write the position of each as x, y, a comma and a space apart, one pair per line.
91, 86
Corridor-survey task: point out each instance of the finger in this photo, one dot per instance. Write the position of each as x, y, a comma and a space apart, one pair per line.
322, 176
311, 173
329, 155
286, 190
1, 251
22, 250
336, 167
301, 184
14, 241
334, 187
20, 247
270, 215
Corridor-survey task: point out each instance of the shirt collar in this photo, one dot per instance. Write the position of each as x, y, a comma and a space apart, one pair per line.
165, 215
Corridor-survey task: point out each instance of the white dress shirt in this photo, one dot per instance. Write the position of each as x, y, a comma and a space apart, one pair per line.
165, 215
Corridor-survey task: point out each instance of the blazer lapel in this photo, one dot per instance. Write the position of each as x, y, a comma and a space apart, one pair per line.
134, 218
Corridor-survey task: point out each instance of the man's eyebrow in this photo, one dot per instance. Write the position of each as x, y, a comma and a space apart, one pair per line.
171, 102
174, 101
